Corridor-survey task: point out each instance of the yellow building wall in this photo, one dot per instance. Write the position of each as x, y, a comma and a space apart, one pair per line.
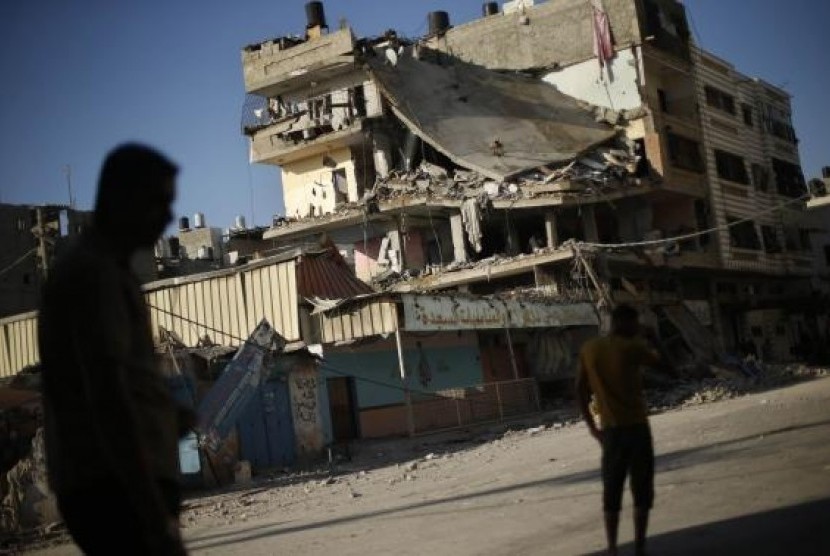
308, 183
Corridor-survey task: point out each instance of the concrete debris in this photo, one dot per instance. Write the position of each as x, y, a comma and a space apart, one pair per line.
614, 117
471, 217
611, 166
724, 385
28, 502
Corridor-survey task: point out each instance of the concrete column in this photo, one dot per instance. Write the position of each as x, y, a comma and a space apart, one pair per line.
513, 247
589, 224
459, 250
717, 322
381, 154
551, 234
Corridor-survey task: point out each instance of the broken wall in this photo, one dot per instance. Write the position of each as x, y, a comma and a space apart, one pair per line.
674, 216
384, 252
774, 327
304, 383
617, 87
544, 36
308, 184
28, 502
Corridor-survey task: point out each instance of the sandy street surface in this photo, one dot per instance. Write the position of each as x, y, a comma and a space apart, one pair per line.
749, 475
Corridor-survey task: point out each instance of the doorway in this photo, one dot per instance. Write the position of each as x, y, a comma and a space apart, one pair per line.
342, 409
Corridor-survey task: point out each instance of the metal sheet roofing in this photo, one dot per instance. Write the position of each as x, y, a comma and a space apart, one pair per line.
325, 275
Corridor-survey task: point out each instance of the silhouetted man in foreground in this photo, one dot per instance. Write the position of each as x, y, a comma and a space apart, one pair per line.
111, 425
610, 369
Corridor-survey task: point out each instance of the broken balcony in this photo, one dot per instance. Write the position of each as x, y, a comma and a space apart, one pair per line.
282, 131
296, 138
277, 66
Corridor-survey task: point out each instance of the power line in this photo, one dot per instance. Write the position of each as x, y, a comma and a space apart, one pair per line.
17, 262
655, 242
694, 27
335, 370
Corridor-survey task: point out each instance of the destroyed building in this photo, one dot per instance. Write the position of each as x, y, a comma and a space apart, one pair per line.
488, 156
473, 195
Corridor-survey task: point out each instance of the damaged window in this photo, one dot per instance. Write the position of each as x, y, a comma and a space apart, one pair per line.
662, 100
777, 122
804, 240
791, 239
667, 26
789, 180
684, 153
746, 110
742, 234
359, 101
770, 237
719, 99
341, 186
731, 167
760, 177
702, 219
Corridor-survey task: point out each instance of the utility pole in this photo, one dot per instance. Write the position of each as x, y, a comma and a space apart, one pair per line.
40, 234
67, 170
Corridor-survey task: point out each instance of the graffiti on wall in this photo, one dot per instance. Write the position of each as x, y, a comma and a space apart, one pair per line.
305, 401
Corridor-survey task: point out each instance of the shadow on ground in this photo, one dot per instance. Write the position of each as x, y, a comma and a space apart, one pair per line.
798, 530
709, 452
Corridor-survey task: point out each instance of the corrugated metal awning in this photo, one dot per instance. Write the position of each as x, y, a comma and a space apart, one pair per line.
325, 275
352, 320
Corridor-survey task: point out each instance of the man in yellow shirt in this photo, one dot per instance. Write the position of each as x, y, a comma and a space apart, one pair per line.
610, 368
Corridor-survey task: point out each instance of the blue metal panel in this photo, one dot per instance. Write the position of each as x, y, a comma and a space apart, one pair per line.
449, 367
266, 430
240, 381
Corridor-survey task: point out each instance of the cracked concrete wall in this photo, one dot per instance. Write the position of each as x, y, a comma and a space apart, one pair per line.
618, 88
308, 182
558, 32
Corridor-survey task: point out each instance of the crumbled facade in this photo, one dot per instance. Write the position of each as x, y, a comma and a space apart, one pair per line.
397, 151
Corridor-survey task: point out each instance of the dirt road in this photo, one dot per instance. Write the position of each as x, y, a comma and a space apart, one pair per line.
745, 476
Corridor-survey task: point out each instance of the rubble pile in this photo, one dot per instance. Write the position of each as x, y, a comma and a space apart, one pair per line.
613, 165
727, 384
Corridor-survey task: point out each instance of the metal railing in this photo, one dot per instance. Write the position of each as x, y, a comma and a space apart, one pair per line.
483, 403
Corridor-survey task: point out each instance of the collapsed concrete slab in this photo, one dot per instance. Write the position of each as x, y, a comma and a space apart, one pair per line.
497, 124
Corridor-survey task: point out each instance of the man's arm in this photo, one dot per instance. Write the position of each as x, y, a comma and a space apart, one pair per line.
583, 398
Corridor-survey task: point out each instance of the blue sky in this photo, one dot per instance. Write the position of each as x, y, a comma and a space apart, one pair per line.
81, 76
